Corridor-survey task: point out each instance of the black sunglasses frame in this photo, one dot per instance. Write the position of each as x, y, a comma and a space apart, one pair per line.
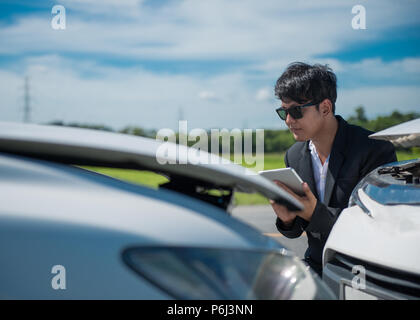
295, 112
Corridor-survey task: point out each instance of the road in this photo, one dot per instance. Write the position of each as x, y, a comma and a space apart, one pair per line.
262, 218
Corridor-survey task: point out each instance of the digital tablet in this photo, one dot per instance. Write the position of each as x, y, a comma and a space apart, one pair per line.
287, 176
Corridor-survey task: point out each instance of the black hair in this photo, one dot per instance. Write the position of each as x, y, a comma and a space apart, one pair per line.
302, 82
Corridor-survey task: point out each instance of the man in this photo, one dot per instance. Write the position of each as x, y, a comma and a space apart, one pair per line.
330, 155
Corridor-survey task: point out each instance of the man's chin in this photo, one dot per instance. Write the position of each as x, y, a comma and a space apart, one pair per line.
299, 137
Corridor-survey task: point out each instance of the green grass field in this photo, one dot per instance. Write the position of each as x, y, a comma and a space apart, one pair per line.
271, 161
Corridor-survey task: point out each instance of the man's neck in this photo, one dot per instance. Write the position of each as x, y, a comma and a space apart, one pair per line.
323, 141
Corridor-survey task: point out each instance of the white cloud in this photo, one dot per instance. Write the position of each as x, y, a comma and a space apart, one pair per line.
60, 90
379, 100
207, 95
264, 94
269, 34
378, 68
191, 29
367, 72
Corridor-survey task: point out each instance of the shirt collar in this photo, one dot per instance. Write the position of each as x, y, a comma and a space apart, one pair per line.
314, 153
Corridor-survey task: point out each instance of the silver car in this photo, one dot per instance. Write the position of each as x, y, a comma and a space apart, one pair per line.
70, 233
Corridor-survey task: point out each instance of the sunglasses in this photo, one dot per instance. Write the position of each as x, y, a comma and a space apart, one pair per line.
295, 112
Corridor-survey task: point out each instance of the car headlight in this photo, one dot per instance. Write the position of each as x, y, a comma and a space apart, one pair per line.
209, 273
356, 201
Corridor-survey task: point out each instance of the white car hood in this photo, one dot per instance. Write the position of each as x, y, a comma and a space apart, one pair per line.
389, 238
406, 134
86, 146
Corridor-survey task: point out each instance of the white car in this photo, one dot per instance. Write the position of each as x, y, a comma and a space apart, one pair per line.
373, 250
70, 233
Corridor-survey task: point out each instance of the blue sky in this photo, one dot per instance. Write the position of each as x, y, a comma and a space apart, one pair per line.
145, 62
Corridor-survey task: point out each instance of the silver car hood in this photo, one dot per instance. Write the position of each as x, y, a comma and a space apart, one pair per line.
93, 147
406, 134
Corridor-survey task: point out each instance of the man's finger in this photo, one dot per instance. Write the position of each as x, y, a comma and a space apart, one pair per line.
307, 190
286, 188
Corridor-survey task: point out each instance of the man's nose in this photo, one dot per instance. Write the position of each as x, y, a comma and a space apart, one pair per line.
290, 120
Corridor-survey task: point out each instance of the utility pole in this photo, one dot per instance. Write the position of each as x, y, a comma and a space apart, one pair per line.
27, 99
180, 114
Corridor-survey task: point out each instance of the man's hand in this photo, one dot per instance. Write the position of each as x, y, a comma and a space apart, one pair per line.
308, 200
286, 216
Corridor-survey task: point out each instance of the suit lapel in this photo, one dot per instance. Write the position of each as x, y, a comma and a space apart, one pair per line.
306, 171
336, 158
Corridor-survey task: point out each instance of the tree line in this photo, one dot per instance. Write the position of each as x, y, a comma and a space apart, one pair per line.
274, 140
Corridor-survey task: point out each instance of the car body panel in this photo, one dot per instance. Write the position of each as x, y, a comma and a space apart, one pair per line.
94, 269
387, 238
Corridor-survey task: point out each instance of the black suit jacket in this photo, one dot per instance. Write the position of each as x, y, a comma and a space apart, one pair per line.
353, 155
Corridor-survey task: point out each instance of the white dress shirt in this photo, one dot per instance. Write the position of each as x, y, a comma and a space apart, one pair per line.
320, 171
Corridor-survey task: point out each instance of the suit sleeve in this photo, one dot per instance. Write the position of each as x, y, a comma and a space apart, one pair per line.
323, 217
382, 154
298, 225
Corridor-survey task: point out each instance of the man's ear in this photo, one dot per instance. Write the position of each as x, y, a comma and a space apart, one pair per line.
325, 107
